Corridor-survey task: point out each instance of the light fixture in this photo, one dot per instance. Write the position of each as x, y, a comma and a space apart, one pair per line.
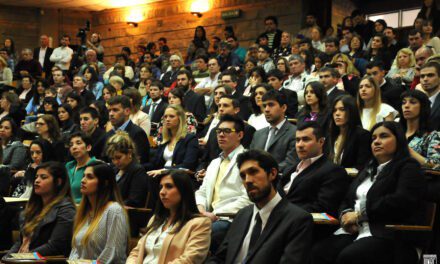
199, 6
197, 14
132, 24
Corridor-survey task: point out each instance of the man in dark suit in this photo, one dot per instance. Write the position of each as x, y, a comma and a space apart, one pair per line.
89, 123
390, 91
279, 138
315, 183
231, 79
119, 115
192, 102
42, 55
157, 107
430, 81
270, 231
79, 86
231, 106
275, 79
329, 77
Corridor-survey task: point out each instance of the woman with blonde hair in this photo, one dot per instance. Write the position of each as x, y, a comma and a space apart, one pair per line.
179, 149
349, 74
403, 68
370, 106
101, 229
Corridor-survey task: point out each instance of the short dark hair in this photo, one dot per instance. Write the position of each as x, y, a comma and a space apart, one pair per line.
332, 40
83, 136
235, 101
163, 39
120, 99
376, 63
317, 129
273, 18
275, 95
203, 57
265, 48
157, 84
357, 12
333, 72
392, 29
122, 56
238, 122
186, 72
276, 73
432, 64
414, 32
134, 95
264, 159
90, 110
234, 77
232, 37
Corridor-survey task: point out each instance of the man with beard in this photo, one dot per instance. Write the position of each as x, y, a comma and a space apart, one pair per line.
221, 191
192, 102
272, 230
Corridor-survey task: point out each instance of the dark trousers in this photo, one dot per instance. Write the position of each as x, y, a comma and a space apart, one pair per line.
342, 249
218, 233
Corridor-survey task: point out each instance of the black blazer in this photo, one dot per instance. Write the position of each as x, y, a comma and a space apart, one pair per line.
435, 114
391, 92
47, 66
212, 149
394, 198
319, 188
245, 106
195, 104
323, 119
357, 150
292, 102
140, 140
53, 235
158, 113
185, 155
133, 185
351, 85
99, 139
333, 95
286, 238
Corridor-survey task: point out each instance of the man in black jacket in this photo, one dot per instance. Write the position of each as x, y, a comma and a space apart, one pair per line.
89, 122
119, 116
157, 107
275, 79
231, 79
270, 231
192, 102
272, 32
42, 55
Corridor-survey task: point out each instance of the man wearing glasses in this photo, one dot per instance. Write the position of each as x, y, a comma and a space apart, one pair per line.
221, 191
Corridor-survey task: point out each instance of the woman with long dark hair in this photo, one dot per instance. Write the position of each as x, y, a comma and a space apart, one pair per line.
315, 108
93, 83
388, 191
348, 143
37, 98
199, 44
177, 232
378, 50
101, 229
47, 221
67, 124
14, 152
430, 12
414, 118
257, 119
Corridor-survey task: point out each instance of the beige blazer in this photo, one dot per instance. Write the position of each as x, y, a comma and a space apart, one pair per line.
189, 245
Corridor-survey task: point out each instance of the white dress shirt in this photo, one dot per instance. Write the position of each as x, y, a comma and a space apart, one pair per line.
41, 56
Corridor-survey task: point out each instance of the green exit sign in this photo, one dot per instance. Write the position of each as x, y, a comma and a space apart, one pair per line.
231, 14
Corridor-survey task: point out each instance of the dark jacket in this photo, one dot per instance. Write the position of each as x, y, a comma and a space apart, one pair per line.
319, 188
15, 155
133, 185
276, 39
286, 238
245, 106
99, 138
53, 235
47, 66
195, 104
394, 198
292, 102
158, 112
185, 155
391, 92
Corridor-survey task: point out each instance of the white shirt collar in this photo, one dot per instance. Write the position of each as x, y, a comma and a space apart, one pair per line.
330, 90
383, 83
280, 124
267, 209
432, 98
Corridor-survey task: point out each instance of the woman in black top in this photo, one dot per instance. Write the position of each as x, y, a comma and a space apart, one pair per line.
315, 108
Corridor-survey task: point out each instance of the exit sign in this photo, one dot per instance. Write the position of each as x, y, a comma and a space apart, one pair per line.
231, 14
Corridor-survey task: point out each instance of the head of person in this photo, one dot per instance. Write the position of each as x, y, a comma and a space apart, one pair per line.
415, 106
40, 151
230, 131
390, 33
283, 65
379, 41
421, 55
3, 62
91, 75
257, 97
95, 38
259, 174
263, 52
233, 41
65, 40
26, 54
427, 28
202, 62
380, 25
26, 82
309, 140
119, 109
8, 100
258, 74
417, 25
358, 17
319, 61
329, 77
176, 199
47, 127
184, 79
156, 90
356, 43
44, 41
344, 114
79, 83
219, 91
121, 59
315, 95
108, 92
376, 70
75, 100
229, 78
430, 77
135, 98
213, 66
8, 130
58, 76
50, 103
344, 64
51, 183
271, 24
228, 105
176, 61
275, 78
347, 34
65, 113
225, 49
145, 72
297, 65
405, 59
118, 70
275, 106
175, 96
88, 120
415, 39
99, 181
331, 45
148, 57
91, 56
80, 145
174, 125
249, 64
388, 142
121, 150
40, 86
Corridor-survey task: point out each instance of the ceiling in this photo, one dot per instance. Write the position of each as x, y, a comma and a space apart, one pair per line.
84, 5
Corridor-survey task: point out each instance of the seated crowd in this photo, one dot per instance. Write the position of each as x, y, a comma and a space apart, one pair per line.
233, 149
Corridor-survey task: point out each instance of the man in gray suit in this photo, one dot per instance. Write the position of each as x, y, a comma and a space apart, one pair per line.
279, 138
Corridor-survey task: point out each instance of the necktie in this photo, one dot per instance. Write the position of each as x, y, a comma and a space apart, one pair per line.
152, 109
256, 231
270, 138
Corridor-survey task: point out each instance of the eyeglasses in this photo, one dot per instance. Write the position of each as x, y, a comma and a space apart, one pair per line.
224, 130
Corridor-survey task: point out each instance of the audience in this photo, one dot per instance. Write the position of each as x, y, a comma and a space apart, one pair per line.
315, 108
